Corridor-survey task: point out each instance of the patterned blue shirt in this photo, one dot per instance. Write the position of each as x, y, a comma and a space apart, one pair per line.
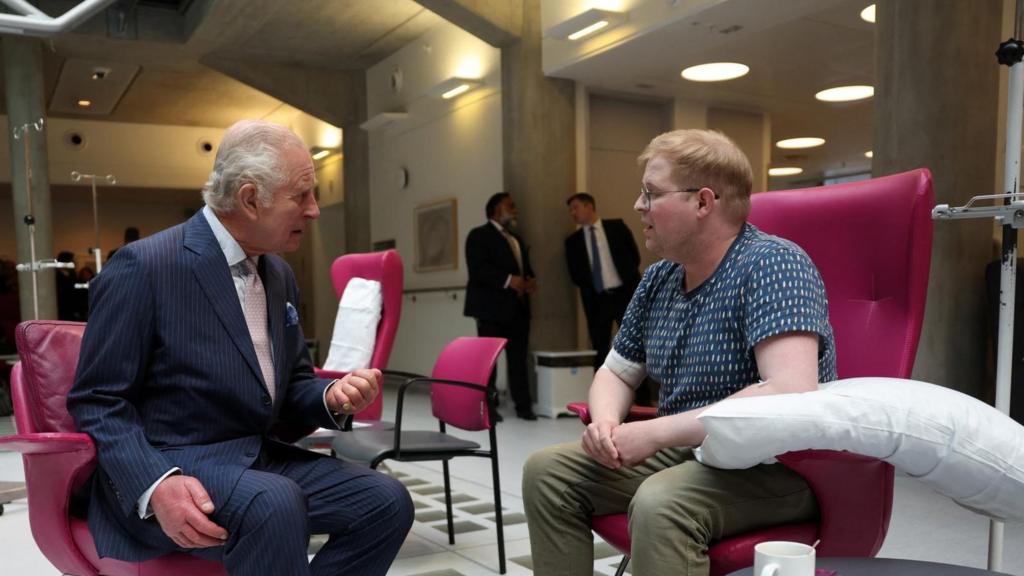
700, 344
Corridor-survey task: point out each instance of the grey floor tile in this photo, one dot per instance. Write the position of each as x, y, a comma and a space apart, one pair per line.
456, 498
430, 515
461, 527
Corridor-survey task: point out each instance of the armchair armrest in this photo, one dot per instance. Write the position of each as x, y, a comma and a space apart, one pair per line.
582, 409
854, 495
49, 443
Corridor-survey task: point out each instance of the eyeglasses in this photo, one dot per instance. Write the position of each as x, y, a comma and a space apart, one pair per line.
647, 195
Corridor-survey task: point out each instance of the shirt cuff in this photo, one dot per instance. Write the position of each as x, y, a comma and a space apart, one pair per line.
337, 418
508, 281
143, 503
632, 373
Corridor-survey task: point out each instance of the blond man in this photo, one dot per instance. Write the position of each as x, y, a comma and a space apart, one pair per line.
729, 312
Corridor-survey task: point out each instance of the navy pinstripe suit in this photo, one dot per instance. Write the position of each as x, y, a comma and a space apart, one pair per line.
168, 376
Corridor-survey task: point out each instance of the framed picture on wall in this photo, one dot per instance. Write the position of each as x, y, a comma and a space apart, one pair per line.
437, 236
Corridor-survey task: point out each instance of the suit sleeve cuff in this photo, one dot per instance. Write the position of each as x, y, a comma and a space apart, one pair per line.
632, 373
143, 504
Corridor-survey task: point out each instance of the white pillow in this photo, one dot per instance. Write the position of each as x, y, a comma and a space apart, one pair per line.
961, 447
355, 326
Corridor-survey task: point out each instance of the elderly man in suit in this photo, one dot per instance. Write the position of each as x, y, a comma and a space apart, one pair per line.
192, 354
605, 263
498, 292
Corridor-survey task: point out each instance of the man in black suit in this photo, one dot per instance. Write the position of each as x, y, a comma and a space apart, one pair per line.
498, 292
604, 262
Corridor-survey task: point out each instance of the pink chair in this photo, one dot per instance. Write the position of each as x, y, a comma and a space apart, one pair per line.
871, 240
460, 397
386, 268
58, 459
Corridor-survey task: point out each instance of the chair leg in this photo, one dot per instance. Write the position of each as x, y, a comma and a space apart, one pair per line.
497, 514
622, 565
448, 502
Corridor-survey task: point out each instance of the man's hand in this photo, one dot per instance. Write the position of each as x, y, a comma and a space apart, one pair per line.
517, 283
531, 285
181, 505
597, 442
354, 392
635, 441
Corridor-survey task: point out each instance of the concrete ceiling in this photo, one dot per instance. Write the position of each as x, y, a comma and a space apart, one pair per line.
176, 43
179, 46
799, 48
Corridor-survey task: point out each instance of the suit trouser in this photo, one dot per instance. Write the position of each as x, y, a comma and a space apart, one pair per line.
676, 506
602, 311
289, 494
517, 332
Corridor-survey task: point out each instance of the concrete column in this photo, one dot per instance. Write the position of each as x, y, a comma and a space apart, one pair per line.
23, 65
356, 147
936, 102
752, 132
540, 173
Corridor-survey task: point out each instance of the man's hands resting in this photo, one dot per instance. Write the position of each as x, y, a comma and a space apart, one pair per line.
354, 392
614, 445
181, 505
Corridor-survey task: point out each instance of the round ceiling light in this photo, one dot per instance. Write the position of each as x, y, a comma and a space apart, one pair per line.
715, 71
846, 93
868, 14
869, 154
785, 171
807, 142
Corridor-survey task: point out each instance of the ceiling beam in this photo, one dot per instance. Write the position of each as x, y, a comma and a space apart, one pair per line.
331, 95
497, 22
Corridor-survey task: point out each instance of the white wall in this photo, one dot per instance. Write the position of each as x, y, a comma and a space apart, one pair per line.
450, 149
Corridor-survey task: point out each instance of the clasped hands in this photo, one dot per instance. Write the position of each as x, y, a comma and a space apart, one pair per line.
522, 285
615, 445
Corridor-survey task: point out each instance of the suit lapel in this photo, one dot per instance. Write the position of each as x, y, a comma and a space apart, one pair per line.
214, 277
273, 283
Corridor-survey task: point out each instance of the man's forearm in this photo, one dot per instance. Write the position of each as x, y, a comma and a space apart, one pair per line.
610, 397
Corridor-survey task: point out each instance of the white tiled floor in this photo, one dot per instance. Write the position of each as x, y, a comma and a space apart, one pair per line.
925, 526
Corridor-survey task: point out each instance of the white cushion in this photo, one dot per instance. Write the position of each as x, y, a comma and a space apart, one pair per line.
961, 447
355, 326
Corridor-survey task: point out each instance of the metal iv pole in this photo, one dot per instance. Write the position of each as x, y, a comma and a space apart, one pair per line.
96, 251
1010, 213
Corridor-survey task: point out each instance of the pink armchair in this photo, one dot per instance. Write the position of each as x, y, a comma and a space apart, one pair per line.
871, 241
58, 459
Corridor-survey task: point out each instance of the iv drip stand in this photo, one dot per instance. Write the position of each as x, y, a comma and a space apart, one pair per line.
109, 178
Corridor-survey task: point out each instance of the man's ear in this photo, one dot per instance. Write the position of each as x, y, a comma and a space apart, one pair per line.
248, 202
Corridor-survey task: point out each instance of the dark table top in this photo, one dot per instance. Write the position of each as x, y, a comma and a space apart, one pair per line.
887, 567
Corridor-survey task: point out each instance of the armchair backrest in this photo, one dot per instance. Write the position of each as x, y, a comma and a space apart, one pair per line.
466, 359
384, 267
871, 240
49, 357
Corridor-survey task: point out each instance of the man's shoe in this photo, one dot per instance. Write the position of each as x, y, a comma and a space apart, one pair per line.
526, 414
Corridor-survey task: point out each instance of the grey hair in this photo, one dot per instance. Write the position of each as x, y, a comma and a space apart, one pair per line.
249, 153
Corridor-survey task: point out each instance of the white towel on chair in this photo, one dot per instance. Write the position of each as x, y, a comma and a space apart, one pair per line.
355, 326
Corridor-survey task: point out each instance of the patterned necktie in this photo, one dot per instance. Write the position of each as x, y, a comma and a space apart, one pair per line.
595, 262
255, 310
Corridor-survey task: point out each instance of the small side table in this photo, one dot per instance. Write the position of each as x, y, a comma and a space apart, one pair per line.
888, 567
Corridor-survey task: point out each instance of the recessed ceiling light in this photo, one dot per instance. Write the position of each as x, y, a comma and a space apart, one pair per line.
868, 14
715, 71
846, 93
321, 154
869, 154
807, 142
84, 103
785, 171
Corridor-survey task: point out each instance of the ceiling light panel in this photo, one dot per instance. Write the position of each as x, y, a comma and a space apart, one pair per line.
846, 93
785, 171
715, 71
586, 24
803, 142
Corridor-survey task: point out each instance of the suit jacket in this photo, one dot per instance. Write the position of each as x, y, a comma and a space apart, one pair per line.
490, 260
168, 376
624, 252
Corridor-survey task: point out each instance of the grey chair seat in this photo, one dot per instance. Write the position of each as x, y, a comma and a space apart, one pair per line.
369, 446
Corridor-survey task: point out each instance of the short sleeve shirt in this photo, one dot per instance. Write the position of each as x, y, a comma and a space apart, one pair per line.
699, 345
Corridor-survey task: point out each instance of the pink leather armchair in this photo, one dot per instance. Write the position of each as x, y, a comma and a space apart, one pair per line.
58, 459
871, 240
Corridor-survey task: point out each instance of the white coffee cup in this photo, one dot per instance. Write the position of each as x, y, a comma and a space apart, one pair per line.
783, 559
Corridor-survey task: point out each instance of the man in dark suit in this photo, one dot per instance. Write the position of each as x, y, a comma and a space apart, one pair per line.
498, 292
605, 263
192, 354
